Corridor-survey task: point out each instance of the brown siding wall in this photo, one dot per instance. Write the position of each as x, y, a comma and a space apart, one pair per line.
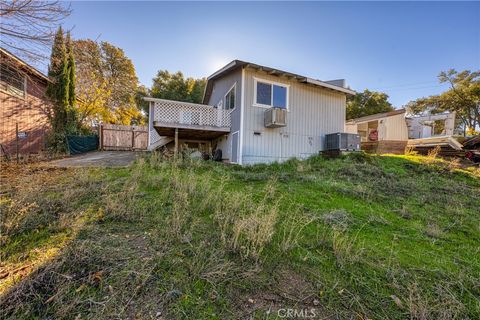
30, 115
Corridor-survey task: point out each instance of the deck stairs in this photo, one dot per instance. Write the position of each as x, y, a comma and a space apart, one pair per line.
163, 141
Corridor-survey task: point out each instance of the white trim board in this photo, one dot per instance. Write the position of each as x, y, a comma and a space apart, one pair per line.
238, 148
242, 112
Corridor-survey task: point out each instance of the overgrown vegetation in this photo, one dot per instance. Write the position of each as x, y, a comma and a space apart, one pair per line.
357, 237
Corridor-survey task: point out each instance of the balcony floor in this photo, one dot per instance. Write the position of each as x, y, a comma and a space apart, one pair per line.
190, 131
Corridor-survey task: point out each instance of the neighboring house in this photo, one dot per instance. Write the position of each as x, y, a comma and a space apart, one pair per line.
254, 114
388, 126
431, 125
22, 106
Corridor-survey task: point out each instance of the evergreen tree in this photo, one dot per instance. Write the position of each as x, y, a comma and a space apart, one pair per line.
60, 90
71, 71
57, 90
72, 118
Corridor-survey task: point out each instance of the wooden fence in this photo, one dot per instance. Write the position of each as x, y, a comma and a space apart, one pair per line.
119, 137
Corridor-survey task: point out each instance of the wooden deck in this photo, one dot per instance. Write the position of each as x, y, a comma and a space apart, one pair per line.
189, 131
447, 141
448, 146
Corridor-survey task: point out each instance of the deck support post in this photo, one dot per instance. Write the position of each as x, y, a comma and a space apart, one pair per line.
176, 143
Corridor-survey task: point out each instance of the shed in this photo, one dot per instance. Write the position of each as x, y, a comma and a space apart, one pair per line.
379, 127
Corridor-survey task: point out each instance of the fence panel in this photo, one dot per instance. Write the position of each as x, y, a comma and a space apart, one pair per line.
120, 137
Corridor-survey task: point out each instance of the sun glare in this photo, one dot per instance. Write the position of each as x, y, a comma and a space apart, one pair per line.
217, 63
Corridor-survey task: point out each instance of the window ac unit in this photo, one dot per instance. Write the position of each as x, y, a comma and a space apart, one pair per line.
275, 118
342, 141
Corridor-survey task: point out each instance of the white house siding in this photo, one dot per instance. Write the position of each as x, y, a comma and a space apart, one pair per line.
313, 112
351, 128
220, 89
395, 128
389, 128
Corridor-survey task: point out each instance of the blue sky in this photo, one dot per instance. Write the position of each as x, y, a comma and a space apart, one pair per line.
395, 47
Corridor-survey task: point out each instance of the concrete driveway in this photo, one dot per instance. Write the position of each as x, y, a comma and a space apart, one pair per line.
98, 159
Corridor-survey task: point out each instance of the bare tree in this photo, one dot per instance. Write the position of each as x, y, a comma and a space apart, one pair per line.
27, 27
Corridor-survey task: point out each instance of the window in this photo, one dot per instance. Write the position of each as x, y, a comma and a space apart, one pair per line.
269, 94
12, 81
264, 93
439, 127
230, 98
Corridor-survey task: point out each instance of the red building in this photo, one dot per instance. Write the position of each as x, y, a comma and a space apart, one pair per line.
23, 106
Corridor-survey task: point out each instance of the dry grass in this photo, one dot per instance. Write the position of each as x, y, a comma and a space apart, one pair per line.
293, 224
433, 153
252, 232
410, 151
191, 240
344, 248
444, 306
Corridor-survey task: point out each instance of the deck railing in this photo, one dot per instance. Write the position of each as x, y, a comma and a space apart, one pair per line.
192, 114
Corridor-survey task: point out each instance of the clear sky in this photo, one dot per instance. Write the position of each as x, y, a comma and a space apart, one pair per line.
395, 47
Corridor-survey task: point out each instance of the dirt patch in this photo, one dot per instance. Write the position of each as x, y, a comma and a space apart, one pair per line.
291, 297
98, 159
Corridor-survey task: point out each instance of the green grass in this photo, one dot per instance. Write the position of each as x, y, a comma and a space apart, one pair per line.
355, 237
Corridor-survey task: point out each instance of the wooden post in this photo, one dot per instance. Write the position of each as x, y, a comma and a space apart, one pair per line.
16, 139
101, 136
133, 138
176, 143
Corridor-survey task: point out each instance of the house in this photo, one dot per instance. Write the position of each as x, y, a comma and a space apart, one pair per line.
382, 132
432, 125
253, 114
392, 132
379, 127
23, 106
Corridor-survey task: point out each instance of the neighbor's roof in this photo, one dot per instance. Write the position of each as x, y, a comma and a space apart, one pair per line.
23, 64
377, 116
235, 64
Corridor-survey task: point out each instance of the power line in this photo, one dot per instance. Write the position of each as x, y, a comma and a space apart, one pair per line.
405, 85
415, 88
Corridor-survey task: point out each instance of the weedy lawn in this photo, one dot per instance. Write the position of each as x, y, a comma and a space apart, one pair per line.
379, 237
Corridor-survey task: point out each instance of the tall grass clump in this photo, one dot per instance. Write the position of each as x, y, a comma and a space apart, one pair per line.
246, 224
291, 229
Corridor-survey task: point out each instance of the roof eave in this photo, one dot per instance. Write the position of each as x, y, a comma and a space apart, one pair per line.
330, 86
377, 116
238, 63
25, 65
226, 68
